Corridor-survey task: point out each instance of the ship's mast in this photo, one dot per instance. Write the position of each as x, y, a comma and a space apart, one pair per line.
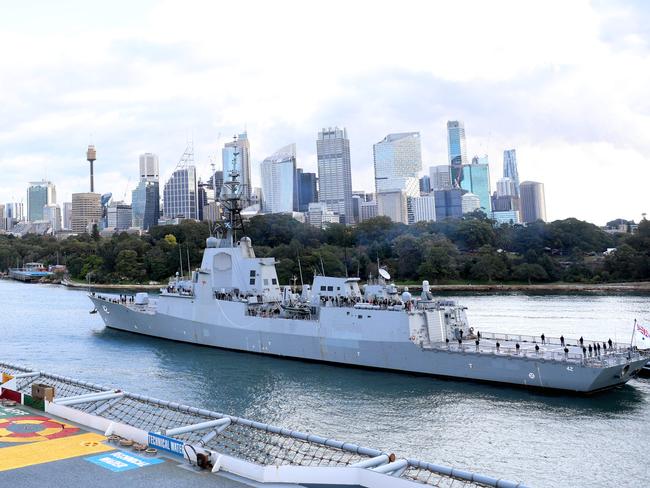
230, 199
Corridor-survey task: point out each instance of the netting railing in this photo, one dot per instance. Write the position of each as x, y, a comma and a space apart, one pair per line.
256, 442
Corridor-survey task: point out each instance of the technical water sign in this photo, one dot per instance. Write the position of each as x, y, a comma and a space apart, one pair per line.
164, 443
122, 461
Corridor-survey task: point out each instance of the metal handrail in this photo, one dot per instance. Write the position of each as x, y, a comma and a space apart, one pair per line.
616, 357
537, 339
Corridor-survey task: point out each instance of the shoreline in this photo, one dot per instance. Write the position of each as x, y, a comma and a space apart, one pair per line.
637, 286
98, 286
643, 286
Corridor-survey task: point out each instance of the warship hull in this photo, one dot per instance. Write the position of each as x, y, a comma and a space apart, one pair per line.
341, 340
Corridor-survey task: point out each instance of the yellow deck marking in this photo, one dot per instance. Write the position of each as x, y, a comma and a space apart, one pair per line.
51, 450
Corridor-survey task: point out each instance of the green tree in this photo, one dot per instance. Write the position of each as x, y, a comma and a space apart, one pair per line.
127, 265
440, 261
474, 233
91, 265
529, 272
625, 263
409, 256
489, 265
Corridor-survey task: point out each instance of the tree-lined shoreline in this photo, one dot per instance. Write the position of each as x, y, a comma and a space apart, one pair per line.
469, 253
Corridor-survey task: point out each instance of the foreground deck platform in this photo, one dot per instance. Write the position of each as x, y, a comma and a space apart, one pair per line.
41, 450
92, 435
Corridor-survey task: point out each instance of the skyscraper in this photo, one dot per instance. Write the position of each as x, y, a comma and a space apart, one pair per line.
278, 173
423, 208
15, 211
506, 187
334, 173
86, 211
470, 202
510, 168
425, 184
180, 192
398, 160
120, 216
457, 150
149, 167
145, 204
448, 203
242, 147
307, 189
440, 177
145, 199
533, 202
394, 205
476, 179
39, 194
52, 214
216, 182
67, 216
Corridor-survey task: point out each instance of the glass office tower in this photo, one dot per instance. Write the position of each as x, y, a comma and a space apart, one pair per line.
180, 194
476, 180
510, 168
279, 181
334, 172
457, 150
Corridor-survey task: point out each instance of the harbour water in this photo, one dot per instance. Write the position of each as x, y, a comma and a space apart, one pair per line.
541, 439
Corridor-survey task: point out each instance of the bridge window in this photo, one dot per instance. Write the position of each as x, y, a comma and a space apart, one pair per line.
322, 288
266, 281
252, 273
274, 281
252, 281
330, 288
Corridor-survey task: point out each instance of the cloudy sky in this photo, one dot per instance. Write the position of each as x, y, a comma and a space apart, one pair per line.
565, 83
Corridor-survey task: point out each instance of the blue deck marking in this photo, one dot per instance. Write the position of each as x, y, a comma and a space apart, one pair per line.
122, 461
164, 443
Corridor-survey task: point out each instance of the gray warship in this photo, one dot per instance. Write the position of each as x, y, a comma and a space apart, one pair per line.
234, 301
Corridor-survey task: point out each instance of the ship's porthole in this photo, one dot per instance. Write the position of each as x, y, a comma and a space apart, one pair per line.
531, 376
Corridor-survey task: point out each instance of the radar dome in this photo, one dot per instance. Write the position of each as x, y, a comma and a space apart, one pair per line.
406, 296
211, 242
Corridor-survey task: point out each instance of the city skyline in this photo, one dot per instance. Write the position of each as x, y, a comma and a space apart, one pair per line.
565, 103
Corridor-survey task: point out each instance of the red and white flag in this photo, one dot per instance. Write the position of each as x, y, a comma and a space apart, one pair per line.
644, 334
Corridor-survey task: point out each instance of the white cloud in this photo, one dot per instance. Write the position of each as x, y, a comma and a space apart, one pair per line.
563, 82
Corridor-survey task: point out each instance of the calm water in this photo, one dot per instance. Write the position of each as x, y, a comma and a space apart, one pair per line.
543, 440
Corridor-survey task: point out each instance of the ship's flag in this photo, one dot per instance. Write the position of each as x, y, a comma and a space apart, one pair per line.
644, 334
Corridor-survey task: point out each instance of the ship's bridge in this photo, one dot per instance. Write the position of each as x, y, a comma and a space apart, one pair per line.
235, 267
329, 286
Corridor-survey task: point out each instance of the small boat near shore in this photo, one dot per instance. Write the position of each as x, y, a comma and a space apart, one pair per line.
30, 272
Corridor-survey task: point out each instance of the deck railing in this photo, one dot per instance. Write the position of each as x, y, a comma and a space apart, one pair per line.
248, 440
613, 357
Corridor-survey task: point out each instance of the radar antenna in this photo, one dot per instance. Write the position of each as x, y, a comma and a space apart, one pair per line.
230, 199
